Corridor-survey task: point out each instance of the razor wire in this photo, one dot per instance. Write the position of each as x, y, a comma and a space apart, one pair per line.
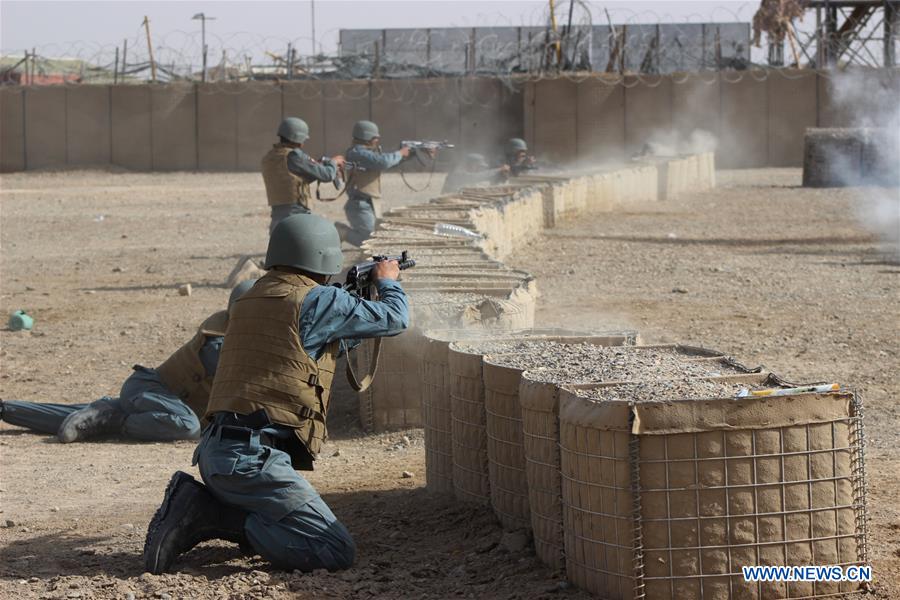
633, 48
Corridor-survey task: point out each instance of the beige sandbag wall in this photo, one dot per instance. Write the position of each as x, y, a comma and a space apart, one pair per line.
460, 284
539, 401
632, 498
669, 498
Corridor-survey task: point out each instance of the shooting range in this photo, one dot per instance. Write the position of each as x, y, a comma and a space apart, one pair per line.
664, 352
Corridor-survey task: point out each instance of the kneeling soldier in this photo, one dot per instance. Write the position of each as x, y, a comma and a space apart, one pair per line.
159, 404
364, 181
268, 408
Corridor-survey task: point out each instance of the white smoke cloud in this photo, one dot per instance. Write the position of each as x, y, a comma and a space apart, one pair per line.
673, 143
871, 102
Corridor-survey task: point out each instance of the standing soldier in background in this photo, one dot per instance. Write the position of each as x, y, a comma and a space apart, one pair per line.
159, 404
473, 171
364, 181
288, 171
268, 409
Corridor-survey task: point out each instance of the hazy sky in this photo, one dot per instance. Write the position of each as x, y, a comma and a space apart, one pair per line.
84, 29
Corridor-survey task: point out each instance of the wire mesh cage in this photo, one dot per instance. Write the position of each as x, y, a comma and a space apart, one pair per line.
669, 499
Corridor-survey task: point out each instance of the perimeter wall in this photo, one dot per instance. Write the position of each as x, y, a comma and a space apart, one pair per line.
757, 118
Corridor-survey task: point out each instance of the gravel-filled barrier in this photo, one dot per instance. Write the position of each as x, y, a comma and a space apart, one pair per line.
535, 444
460, 281
477, 472
644, 471
669, 487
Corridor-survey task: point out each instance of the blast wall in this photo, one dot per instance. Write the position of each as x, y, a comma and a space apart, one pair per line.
12, 129
462, 285
644, 492
88, 126
758, 117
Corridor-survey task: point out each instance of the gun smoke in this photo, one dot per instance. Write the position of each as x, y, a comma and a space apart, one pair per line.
875, 107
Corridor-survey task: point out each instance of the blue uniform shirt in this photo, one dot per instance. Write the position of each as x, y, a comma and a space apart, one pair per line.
209, 353
301, 164
330, 313
370, 160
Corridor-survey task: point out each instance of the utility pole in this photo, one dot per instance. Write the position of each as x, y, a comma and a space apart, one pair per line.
203, 19
124, 58
150, 49
116, 68
312, 7
556, 44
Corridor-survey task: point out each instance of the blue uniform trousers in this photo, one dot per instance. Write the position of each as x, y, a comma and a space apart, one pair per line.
288, 522
360, 213
151, 411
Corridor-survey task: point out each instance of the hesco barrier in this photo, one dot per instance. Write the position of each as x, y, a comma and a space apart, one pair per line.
667, 497
503, 428
460, 283
539, 401
471, 482
437, 414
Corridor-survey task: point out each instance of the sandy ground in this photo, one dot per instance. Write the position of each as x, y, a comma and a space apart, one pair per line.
768, 272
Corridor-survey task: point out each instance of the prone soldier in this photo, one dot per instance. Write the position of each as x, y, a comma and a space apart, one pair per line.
288, 171
159, 404
268, 409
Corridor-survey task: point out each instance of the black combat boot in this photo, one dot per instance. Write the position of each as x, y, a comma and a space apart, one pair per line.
189, 514
98, 417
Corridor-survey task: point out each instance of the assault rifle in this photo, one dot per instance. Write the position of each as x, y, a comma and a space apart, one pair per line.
516, 170
359, 277
359, 282
427, 144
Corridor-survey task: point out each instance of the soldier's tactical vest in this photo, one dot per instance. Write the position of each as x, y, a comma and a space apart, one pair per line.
368, 182
282, 186
183, 372
263, 364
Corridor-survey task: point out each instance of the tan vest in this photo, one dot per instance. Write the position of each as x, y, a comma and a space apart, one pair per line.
263, 364
368, 182
183, 372
282, 186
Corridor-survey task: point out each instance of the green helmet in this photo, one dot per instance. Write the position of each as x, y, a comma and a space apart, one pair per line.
239, 290
516, 145
294, 130
365, 131
308, 242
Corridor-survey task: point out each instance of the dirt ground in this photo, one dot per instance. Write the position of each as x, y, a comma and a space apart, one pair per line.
766, 271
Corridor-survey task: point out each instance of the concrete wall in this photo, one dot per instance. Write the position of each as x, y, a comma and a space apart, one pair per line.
12, 129
45, 127
258, 113
744, 139
88, 127
648, 109
757, 117
600, 119
131, 142
217, 121
696, 104
791, 98
554, 133
174, 132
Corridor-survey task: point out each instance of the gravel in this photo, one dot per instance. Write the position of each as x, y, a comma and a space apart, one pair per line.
558, 362
664, 390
